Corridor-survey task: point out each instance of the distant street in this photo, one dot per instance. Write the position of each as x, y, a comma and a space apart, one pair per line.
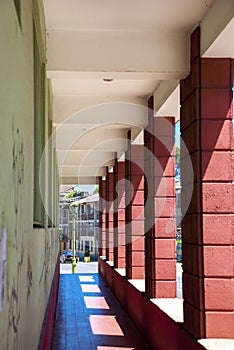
179, 272
81, 267
92, 267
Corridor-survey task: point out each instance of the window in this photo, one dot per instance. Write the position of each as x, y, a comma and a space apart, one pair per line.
86, 245
65, 214
18, 10
39, 134
50, 176
60, 212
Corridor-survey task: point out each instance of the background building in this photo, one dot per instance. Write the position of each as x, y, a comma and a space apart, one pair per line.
87, 224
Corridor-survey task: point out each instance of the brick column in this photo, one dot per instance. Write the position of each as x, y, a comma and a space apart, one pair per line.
207, 228
119, 215
110, 216
160, 266
135, 255
102, 217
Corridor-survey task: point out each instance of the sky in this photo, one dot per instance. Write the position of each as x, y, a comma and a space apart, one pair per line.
85, 188
177, 134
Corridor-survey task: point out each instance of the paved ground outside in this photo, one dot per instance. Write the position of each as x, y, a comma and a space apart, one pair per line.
179, 272
81, 267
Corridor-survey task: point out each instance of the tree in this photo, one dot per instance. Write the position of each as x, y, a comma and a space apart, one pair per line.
96, 190
177, 157
72, 194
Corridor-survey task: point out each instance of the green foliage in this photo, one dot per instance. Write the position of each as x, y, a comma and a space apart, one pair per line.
72, 194
96, 190
177, 156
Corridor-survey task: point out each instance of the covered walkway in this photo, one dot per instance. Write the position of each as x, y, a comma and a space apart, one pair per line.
90, 94
88, 315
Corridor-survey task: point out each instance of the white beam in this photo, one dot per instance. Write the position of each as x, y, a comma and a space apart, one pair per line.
77, 157
218, 17
111, 140
163, 92
122, 113
171, 106
66, 180
66, 106
81, 171
164, 53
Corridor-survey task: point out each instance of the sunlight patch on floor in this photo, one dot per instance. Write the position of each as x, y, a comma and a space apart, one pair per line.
105, 325
96, 303
90, 288
86, 279
113, 348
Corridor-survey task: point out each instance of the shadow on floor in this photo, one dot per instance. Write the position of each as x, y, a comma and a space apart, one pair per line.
89, 317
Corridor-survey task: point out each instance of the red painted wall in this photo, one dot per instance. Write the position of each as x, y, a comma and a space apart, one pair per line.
157, 327
48, 325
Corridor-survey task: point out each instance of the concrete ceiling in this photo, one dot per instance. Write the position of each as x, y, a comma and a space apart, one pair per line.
124, 15
142, 47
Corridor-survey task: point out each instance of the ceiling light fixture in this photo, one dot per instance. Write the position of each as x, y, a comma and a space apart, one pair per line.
108, 80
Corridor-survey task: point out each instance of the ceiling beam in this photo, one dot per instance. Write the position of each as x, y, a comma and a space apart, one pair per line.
77, 157
214, 25
124, 113
81, 171
66, 106
164, 53
100, 139
167, 99
71, 180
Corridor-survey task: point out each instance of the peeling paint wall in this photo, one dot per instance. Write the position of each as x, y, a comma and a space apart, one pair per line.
28, 255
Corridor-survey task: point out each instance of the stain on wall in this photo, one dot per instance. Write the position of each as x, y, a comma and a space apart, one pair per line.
29, 277
18, 173
14, 305
28, 255
3, 260
17, 242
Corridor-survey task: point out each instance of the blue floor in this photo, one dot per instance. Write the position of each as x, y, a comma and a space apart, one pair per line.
89, 317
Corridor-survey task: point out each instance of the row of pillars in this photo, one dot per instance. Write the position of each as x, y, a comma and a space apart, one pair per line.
138, 201
138, 210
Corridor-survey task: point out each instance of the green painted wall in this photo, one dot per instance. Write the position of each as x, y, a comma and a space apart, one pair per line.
31, 254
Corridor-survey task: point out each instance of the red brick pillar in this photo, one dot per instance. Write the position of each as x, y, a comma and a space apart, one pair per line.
119, 216
207, 228
160, 269
110, 216
135, 255
102, 217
